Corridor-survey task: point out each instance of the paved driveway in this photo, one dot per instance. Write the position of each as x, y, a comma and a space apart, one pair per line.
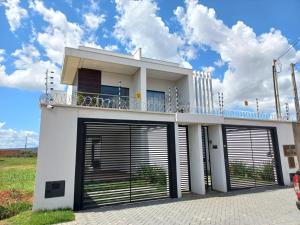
264, 206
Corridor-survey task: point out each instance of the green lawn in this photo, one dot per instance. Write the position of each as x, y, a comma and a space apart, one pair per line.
17, 174
17, 178
42, 217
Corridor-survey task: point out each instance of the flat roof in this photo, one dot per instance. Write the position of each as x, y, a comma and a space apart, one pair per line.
92, 58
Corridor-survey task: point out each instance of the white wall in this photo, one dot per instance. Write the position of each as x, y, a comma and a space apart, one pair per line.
154, 84
196, 159
56, 156
113, 79
183, 92
217, 161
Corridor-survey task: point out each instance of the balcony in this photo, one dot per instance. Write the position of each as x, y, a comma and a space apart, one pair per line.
168, 104
119, 102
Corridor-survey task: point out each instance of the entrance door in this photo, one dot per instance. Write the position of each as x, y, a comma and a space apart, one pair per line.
124, 162
184, 158
252, 157
206, 158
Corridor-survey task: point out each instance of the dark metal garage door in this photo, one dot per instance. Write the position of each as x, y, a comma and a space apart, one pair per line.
252, 157
123, 162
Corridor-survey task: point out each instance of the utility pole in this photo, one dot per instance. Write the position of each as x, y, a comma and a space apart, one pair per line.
25, 142
296, 99
276, 90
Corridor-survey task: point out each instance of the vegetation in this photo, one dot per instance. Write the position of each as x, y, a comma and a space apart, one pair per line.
17, 176
242, 170
42, 217
153, 174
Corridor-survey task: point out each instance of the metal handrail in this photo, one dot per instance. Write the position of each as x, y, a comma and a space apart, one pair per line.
132, 103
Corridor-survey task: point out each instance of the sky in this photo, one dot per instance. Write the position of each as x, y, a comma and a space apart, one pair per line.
234, 40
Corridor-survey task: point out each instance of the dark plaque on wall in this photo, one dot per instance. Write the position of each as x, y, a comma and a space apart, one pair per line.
55, 189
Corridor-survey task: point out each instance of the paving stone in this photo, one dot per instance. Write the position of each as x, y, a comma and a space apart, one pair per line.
264, 206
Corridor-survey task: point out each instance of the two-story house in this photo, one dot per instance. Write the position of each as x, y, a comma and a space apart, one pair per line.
130, 128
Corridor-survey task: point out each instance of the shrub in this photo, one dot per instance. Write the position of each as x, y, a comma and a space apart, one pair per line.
153, 174
13, 209
241, 169
266, 172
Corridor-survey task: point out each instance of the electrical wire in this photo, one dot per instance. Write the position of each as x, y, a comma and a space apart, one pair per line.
288, 49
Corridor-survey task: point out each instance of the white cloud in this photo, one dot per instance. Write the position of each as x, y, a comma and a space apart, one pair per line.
138, 25
93, 21
111, 48
58, 34
2, 53
30, 72
12, 138
14, 13
248, 56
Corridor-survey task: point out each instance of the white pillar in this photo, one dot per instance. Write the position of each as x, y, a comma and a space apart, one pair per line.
143, 86
196, 159
217, 161
139, 82
178, 172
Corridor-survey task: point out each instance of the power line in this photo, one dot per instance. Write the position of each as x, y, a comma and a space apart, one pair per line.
288, 49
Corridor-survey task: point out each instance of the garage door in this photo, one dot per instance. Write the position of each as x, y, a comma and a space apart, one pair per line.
124, 162
252, 157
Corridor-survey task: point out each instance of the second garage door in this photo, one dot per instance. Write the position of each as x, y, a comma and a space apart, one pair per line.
252, 157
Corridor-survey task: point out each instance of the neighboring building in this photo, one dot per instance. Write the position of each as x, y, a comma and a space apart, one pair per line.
131, 128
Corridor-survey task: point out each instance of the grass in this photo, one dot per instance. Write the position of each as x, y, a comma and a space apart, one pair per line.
17, 178
17, 174
42, 217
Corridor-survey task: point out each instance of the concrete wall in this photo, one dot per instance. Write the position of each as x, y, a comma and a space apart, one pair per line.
154, 84
196, 159
217, 160
113, 79
296, 128
56, 156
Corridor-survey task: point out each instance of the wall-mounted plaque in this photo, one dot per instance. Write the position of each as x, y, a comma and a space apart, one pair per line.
291, 161
289, 150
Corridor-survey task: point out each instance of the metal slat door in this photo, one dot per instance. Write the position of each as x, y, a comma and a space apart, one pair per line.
149, 162
206, 165
124, 163
250, 157
106, 178
184, 158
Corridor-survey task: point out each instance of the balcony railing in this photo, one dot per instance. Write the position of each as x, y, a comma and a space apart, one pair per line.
113, 102
132, 103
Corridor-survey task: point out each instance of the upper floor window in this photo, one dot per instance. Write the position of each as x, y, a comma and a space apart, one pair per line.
114, 97
156, 101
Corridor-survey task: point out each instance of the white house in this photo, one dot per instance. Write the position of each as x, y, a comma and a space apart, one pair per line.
130, 128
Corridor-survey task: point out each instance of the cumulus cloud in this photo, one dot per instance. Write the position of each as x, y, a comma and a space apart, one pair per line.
14, 13
111, 48
59, 32
12, 138
247, 55
93, 21
138, 25
30, 70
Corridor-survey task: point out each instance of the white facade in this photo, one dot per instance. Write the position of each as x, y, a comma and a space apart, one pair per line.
58, 131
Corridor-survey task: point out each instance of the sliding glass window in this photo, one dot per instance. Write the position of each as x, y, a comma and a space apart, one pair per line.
114, 97
156, 101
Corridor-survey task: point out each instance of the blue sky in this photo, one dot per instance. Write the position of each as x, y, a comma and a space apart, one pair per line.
235, 40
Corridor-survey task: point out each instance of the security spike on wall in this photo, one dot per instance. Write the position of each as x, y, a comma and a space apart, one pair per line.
203, 92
